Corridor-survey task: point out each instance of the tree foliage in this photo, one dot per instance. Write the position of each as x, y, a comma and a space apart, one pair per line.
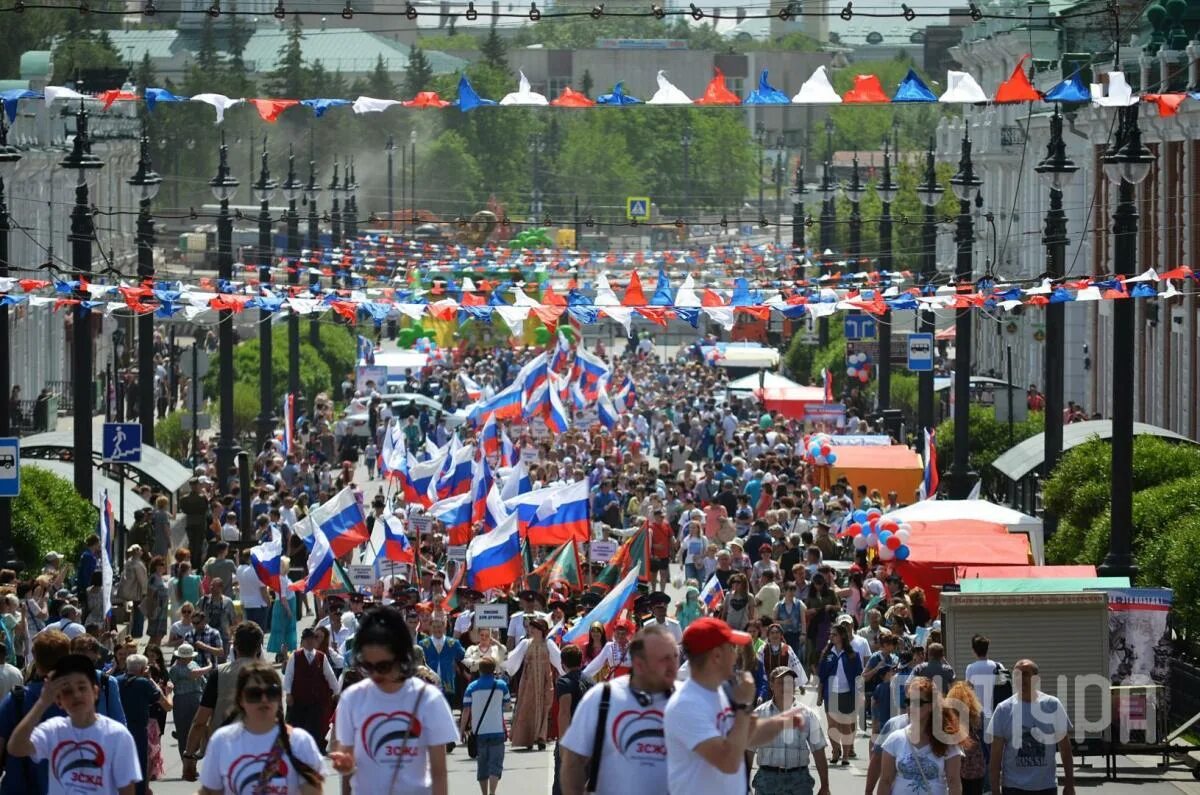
49, 515
989, 440
419, 75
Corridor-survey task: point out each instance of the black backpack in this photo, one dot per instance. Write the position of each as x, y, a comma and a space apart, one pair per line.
1002, 686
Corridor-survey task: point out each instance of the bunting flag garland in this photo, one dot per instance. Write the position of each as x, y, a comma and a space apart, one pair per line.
961, 88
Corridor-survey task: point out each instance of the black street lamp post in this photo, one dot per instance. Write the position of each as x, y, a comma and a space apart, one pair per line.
1056, 170
760, 136
311, 193
9, 157
335, 215
293, 189
930, 193
965, 185
537, 145
224, 187
1128, 163
780, 176
145, 183
412, 176
798, 243
854, 192
264, 189
349, 214
81, 160
828, 217
390, 148
887, 190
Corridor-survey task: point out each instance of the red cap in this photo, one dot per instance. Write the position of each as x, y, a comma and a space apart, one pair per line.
706, 634
765, 548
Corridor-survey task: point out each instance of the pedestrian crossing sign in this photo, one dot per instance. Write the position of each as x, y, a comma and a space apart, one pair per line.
637, 207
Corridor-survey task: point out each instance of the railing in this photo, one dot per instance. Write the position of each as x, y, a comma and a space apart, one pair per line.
66, 398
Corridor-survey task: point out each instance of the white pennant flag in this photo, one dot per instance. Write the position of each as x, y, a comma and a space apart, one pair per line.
372, 105
220, 103
667, 93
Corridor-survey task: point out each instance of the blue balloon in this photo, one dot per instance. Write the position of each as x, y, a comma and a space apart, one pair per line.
902, 552
860, 516
884, 536
832, 458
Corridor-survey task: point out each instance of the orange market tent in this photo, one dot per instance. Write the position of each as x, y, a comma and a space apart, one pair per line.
1024, 572
790, 401
938, 549
887, 468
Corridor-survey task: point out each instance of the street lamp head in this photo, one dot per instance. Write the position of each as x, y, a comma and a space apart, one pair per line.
335, 186
293, 188
855, 190
930, 191
1132, 161
224, 185
312, 189
965, 184
412, 137
80, 158
390, 146
1056, 169
145, 181
264, 188
9, 155
887, 189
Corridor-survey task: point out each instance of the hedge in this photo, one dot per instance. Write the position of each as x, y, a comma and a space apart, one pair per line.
49, 515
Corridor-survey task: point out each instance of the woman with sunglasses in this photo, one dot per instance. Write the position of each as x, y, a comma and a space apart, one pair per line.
257, 752
918, 760
391, 729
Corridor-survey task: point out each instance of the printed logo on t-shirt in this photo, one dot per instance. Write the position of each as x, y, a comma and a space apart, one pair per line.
246, 772
639, 736
383, 736
1031, 753
725, 721
919, 772
78, 766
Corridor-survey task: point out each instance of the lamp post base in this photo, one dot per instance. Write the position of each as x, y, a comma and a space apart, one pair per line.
1118, 565
961, 485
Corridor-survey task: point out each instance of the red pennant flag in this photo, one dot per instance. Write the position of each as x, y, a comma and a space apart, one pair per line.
426, 99
29, 285
269, 109
866, 89
659, 315
711, 298
551, 298
1017, 88
1168, 104
346, 309
570, 98
107, 98
717, 93
633, 293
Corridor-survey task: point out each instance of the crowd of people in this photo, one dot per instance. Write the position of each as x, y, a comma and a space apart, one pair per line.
750, 601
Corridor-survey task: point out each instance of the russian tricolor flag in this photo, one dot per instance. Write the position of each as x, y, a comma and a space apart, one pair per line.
578, 399
391, 453
562, 353
421, 478
504, 405
489, 438
592, 372
531, 376
554, 515
474, 391
557, 418
606, 411
267, 560
508, 453
516, 482
456, 479
481, 485
342, 522
396, 546
495, 511
366, 350
929, 483
538, 403
494, 559
455, 514
289, 423
827, 383
320, 566
713, 594
627, 396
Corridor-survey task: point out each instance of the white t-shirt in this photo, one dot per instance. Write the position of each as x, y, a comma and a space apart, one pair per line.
249, 587
693, 715
862, 646
635, 753
981, 675
93, 761
918, 770
235, 758
374, 723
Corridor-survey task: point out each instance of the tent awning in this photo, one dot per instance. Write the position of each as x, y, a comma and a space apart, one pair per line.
1024, 572
937, 549
765, 380
156, 467
1042, 584
977, 510
1019, 460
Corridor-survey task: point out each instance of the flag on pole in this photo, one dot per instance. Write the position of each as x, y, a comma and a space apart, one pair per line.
489, 438
713, 594
289, 423
366, 350
605, 410
494, 559
267, 561
929, 483
107, 532
474, 390
827, 383
396, 546
608, 611
563, 566
508, 453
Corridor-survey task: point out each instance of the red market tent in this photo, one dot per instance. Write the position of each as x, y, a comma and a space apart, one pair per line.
938, 549
1024, 572
790, 401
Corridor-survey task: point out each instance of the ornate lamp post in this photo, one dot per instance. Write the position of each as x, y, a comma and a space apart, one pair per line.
264, 189
965, 185
224, 187
145, 183
293, 189
887, 190
930, 193
9, 157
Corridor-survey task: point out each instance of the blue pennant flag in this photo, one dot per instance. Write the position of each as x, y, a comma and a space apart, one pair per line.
1070, 90
157, 95
662, 291
319, 106
689, 313
617, 97
468, 98
12, 97
913, 89
766, 94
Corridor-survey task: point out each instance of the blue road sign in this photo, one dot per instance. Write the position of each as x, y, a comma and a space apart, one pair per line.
920, 353
10, 466
122, 443
860, 327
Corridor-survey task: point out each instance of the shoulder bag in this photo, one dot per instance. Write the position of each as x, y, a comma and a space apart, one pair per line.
473, 735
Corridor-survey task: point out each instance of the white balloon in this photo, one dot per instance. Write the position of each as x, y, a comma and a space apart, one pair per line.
873, 540
850, 371
903, 534
886, 554
860, 542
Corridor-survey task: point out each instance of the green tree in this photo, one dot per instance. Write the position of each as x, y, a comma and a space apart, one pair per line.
238, 82
989, 440
587, 83
49, 515
208, 58
379, 82
597, 165
494, 51
449, 163
81, 51
419, 74
290, 77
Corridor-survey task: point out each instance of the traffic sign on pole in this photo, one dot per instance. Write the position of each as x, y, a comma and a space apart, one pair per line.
860, 327
637, 207
10, 466
920, 353
122, 443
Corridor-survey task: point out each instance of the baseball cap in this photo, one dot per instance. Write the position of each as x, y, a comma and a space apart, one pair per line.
705, 634
844, 618
780, 671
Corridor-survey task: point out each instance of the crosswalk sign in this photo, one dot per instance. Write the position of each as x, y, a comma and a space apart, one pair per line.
637, 207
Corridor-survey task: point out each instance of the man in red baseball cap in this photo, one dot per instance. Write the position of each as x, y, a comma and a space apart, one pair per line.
708, 721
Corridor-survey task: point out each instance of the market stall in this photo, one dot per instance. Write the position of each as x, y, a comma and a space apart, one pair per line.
980, 511
886, 468
938, 549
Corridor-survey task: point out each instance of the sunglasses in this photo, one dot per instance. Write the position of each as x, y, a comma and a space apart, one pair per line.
256, 693
186, 612
382, 668
197, 621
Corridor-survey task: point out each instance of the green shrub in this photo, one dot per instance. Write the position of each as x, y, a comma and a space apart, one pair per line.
989, 440
48, 515
170, 437
339, 349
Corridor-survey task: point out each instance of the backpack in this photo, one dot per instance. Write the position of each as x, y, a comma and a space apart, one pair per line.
1002, 687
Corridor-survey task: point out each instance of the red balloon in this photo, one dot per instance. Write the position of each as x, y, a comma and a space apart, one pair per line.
873, 521
874, 512
890, 525
826, 449
853, 529
894, 543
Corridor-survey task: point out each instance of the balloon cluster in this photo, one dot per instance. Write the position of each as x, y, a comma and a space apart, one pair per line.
858, 365
820, 449
872, 530
537, 237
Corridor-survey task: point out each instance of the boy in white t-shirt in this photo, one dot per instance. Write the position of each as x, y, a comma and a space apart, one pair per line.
707, 733
89, 754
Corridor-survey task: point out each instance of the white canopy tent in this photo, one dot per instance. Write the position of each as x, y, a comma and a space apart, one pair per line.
765, 379
980, 511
